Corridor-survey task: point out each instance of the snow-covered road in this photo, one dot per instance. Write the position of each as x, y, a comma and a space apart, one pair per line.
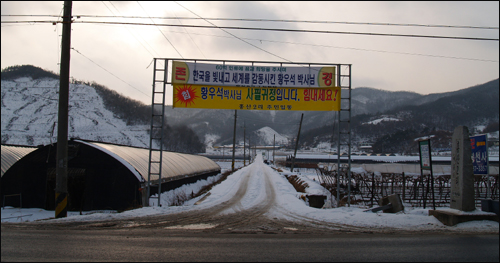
256, 198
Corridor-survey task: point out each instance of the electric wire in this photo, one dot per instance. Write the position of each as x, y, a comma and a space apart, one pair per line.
110, 73
160, 30
130, 31
152, 55
281, 21
189, 35
269, 29
351, 48
235, 35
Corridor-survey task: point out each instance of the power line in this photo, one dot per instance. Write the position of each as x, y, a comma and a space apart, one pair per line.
302, 31
282, 21
327, 46
374, 50
358, 49
160, 30
351, 48
110, 73
189, 35
272, 29
236, 36
131, 31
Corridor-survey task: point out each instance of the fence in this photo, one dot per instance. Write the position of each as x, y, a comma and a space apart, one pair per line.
368, 188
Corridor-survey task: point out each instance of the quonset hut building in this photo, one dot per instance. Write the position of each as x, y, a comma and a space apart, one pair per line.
100, 176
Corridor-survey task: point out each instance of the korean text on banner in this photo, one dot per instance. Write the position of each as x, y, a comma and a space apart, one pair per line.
252, 76
256, 98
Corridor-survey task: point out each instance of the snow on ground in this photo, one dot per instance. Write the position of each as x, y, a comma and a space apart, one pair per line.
287, 200
169, 198
377, 121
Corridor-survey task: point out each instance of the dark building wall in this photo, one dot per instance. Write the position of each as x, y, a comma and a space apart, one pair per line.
25, 177
96, 181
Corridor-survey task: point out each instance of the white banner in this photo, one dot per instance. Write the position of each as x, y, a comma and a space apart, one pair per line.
252, 76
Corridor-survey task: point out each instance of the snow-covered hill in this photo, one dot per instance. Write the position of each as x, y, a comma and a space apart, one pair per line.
384, 118
266, 134
30, 109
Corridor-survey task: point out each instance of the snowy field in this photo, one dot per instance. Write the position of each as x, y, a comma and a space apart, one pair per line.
287, 199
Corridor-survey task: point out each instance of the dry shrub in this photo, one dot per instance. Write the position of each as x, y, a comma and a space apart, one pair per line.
179, 199
298, 184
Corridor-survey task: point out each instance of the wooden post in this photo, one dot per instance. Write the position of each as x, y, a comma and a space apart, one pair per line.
373, 187
404, 187
61, 191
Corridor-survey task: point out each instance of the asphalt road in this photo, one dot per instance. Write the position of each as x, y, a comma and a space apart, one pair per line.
139, 244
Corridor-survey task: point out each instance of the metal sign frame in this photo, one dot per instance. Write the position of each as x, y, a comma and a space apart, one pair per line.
425, 153
163, 75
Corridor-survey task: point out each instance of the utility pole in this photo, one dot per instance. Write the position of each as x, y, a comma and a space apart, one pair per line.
234, 139
274, 146
297, 142
249, 149
61, 191
244, 146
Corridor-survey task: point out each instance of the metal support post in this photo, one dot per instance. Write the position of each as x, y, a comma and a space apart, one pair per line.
274, 146
297, 143
234, 139
157, 129
244, 146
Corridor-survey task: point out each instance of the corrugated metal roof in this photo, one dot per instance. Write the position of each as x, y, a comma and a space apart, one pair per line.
174, 165
12, 154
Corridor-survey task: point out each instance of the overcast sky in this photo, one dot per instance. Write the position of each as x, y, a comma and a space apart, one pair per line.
118, 56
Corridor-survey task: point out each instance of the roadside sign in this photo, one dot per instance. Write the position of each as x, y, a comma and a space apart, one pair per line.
425, 154
426, 164
479, 147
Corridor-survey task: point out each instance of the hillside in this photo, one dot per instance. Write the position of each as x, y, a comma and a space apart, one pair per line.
370, 100
368, 104
394, 130
29, 105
